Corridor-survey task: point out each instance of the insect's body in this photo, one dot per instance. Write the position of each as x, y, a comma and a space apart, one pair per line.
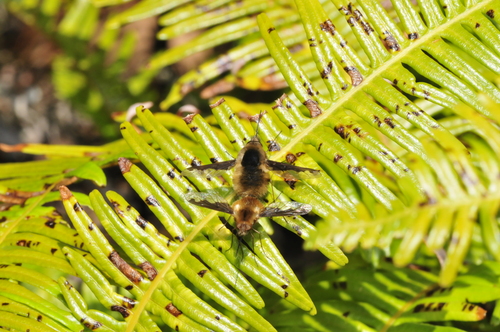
250, 182
251, 174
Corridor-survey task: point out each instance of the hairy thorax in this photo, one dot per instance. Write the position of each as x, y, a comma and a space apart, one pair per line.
251, 176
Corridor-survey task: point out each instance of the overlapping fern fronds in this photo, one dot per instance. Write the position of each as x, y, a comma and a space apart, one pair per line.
407, 165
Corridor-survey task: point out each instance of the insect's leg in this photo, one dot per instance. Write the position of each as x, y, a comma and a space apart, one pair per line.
239, 244
226, 224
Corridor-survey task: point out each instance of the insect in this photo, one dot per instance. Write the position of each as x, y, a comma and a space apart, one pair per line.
248, 209
251, 170
251, 179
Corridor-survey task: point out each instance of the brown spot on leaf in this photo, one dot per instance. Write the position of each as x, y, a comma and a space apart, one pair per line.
273, 146
328, 26
122, 310
290, 183
413, 36
353, 72
50, 223
366, 28
151, 200
341, 131
149, 269
195, 162
491, 13
389, 122
124, 165
202, 273
128, 302
217, 103
418, 308
114, 204
77, 207
189, 118
391, 44
141, 222
125, 268
291, 158
327, 70
356, 169
173, 310
313, 108
94, 325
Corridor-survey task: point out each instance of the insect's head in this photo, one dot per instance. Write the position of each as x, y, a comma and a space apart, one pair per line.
243, 227
246, 213
254, 142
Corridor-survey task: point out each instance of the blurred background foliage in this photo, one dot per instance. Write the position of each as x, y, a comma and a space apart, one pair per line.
103, 56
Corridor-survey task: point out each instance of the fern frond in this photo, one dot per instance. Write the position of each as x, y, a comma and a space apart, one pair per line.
379, 115
388, 299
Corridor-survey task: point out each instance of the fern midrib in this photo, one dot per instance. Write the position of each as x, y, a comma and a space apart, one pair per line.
416, 45
163, 272
444, 203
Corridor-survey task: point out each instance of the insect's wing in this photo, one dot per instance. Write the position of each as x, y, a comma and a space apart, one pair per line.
211, 170
209, 200
286, 209
292, 172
